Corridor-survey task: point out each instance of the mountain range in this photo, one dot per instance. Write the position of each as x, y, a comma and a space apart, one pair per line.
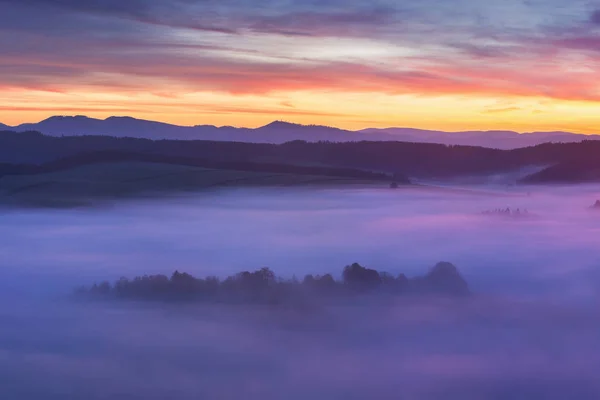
280, 132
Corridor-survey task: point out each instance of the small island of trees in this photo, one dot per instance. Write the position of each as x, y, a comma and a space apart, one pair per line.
508, 213
264, 287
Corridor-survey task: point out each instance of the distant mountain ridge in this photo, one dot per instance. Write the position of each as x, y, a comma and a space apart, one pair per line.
279, 132
505, 140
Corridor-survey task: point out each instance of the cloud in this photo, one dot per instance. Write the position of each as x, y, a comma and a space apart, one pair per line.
595, 17
355, 22
431, 48
143, 11
502, 110
233, 16
586, 43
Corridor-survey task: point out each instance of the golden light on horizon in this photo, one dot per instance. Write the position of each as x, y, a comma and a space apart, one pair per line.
346, 110
363, 67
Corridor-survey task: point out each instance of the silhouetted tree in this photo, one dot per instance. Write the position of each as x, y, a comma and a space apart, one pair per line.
358, 277
444, 278
325, 283
262, 286
402, 281
309, 280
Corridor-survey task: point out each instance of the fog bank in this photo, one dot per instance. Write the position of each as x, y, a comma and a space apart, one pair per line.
296, 231
531, 330
488, 349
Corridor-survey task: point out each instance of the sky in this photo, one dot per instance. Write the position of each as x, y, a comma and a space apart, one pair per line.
521, 65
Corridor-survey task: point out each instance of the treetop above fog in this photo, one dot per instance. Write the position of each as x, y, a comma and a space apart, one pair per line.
263, 286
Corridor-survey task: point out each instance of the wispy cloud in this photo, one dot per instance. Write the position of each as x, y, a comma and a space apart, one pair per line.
502, 110
431, 48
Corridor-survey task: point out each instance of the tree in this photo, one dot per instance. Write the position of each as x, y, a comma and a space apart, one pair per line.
358, 277
309, 280
444, 278
324, 283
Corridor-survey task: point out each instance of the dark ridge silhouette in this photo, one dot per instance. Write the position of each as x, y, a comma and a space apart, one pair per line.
419, 160
572, 171
116, 156
101, 157
263, 287
275, 132
17, 169
280, 132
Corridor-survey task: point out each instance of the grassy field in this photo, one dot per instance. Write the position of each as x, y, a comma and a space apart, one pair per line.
91, 183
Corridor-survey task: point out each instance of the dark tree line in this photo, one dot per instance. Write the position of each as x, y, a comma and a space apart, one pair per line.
263, 286
411, 159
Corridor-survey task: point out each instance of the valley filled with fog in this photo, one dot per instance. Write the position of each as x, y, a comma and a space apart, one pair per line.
531, 328
551, 251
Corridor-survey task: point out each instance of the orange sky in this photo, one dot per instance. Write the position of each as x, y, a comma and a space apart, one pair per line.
500, 65
343, 109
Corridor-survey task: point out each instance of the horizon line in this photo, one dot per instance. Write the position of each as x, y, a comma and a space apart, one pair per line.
283, 121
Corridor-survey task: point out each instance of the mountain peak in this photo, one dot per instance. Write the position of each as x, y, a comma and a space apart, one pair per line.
67, 117
282, 125
280, 131
121, 118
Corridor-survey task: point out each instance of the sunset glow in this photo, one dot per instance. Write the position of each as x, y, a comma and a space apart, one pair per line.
447, 65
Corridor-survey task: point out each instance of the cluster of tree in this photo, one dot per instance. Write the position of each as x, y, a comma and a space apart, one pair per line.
507, 212
263, 286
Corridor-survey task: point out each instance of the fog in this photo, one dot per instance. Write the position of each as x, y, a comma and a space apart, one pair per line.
531, 330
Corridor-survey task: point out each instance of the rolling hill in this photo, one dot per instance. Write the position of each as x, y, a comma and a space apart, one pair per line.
493, 139
568, 172
420, 161
89, 178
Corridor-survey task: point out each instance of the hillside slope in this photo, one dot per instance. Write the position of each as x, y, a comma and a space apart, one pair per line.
91, 178
419, 160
